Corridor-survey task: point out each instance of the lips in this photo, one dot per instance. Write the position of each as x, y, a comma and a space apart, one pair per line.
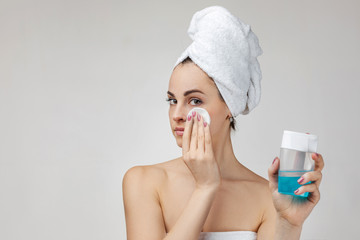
179, 131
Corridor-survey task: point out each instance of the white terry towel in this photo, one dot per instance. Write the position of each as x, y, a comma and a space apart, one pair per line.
226, 49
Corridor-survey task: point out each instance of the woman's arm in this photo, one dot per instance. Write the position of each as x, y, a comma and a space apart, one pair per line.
143, 215
288, 213
284, 230
275, 227
192, 219
143, 212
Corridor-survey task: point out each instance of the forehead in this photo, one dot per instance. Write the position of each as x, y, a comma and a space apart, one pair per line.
189, 76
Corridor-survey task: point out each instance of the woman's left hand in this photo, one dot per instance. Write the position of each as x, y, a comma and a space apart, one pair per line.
296, 209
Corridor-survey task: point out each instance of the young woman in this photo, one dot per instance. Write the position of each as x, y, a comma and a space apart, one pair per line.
207, 193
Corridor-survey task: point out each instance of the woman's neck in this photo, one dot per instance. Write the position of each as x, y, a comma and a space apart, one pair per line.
225, 157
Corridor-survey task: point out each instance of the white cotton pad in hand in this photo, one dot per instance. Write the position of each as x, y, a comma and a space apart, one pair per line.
202, 112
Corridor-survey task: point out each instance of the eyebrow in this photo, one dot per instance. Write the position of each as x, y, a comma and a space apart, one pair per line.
186, 93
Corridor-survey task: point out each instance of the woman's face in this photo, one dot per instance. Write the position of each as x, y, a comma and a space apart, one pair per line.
190, 87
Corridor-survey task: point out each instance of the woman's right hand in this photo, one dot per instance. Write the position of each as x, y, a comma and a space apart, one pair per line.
198, 154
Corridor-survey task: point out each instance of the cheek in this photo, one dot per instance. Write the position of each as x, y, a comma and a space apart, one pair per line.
170, 112
214, 122
170, 118
217, 121
214, 126
215, 118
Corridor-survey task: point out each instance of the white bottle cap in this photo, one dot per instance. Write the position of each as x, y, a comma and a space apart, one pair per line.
202, 112
299, 141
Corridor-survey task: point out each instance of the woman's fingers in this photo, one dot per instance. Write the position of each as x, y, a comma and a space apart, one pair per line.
314, 176
201, 133
313, 189
194, 134
186, 136
207, 140
319, 161
273, 174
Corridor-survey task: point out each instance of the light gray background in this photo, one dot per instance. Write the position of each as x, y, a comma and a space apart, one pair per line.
82, 99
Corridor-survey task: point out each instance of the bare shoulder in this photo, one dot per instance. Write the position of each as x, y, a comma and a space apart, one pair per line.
263, 193
142, 203
259, 187
143, 174
149, 175
256, 179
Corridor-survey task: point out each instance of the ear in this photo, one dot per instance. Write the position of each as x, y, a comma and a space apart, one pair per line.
229, 116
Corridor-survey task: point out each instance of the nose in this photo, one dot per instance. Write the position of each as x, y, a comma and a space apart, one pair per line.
180, 113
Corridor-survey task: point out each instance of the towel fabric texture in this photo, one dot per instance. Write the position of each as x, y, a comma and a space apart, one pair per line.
226, 49
231, 235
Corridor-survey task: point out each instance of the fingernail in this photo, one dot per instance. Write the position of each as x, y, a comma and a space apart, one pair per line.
189, 117
198, 117
205, 123
193, 113
274, 160
317, 155
297, 190
300, 180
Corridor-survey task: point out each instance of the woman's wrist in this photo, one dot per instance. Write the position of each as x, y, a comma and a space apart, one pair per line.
287, 230
208, 188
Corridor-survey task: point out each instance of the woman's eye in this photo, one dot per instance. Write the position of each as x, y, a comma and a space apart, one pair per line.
171, 100
196, 101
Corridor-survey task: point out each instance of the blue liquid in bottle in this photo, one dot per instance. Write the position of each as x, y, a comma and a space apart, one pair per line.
287, 182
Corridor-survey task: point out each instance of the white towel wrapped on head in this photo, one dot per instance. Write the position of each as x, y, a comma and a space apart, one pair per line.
226, 49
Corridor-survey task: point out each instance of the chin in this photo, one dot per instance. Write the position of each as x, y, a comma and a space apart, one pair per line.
179, 141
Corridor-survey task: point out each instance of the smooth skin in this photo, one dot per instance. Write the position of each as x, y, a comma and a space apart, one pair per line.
207, 189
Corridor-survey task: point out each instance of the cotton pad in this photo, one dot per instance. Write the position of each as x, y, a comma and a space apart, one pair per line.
202, 112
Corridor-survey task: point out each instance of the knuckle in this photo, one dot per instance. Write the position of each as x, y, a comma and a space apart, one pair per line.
194, 133
201, 136
189, 156
306, 175
192, 156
